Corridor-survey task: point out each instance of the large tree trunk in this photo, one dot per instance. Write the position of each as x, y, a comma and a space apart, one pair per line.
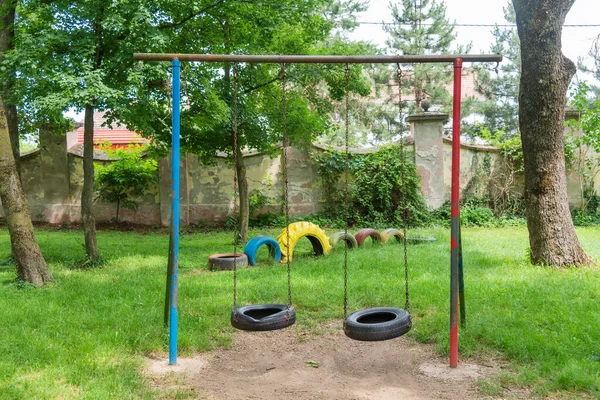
7, 42
545, 76
31, 266
87, 194
244, 199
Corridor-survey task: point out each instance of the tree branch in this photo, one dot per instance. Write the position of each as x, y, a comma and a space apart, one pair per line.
184, 20
253, 88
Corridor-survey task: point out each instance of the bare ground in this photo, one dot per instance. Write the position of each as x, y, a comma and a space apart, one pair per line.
290, 364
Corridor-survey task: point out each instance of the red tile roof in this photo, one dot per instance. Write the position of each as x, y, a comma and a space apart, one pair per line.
117, 135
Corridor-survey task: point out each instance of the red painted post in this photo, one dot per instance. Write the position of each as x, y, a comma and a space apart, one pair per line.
455, 198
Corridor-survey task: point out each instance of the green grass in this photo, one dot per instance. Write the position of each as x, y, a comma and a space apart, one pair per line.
84, 335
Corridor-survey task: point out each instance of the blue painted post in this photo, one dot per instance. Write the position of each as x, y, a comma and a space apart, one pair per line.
175, 161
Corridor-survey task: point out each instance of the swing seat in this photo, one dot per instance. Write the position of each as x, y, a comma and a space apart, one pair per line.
263, 317
377, 323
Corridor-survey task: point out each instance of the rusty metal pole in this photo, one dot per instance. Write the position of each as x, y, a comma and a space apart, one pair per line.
302, 59
455, 213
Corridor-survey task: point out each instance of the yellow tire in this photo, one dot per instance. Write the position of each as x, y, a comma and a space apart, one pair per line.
301, 229
387, 234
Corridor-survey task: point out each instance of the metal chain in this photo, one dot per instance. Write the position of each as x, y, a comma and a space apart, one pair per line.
285, 189
403, 188
346, 206
235, 185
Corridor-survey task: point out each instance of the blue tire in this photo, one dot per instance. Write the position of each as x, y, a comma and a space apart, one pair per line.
254, 243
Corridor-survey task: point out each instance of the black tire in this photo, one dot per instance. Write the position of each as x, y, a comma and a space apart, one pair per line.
348, 238
377, 323
222, 262
263, 317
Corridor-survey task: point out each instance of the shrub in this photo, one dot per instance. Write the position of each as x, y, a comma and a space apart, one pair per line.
376, 189
128, 177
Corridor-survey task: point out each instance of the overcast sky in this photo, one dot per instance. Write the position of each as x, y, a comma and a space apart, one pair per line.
577, 41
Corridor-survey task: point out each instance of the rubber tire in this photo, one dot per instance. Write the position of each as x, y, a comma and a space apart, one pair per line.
363, 234
272, 322
387, 234
223, 262
254, 243
348, 238
301, 229
377, 331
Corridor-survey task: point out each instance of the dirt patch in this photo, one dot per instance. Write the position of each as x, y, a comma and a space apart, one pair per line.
289, 364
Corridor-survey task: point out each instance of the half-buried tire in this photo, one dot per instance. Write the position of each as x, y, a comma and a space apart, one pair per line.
377, 323
387, 234
263, 317
253, 244
363, 234
221, 262
347, 238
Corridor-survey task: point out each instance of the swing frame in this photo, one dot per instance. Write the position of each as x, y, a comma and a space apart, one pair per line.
455, 241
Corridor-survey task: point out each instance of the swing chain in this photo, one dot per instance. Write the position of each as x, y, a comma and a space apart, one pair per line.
346, 211
235, 185
402, 183
286, 189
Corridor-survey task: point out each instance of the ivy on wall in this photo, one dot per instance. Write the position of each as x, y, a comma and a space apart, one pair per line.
376, 190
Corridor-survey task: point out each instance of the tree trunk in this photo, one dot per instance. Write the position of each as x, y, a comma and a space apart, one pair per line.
244, 199
244, 213
545, 77
7, 42
87, 194
31, 266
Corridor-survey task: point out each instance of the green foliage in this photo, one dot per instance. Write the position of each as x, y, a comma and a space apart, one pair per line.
510, 145
582, 149
421, 27
375, 187
384, 186
499, 84
257, 27
130, 176
476, 212
70, 57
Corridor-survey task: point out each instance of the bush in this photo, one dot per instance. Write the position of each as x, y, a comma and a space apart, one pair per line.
376, 190
128, 177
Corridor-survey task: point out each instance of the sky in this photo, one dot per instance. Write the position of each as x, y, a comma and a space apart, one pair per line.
576, 41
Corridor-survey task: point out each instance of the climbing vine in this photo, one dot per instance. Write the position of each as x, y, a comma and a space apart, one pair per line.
375, 186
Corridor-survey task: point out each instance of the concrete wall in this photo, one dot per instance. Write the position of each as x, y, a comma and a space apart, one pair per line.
52, 179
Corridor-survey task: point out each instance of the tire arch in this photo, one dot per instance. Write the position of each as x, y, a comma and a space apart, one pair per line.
301, 229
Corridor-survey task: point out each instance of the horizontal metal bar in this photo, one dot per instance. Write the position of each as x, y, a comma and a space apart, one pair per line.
279, 59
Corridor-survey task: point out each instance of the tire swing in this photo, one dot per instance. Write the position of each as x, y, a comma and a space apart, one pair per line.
376, 323
260, 317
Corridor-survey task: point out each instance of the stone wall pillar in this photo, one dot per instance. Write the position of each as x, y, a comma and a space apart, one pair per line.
54, 204
428, 130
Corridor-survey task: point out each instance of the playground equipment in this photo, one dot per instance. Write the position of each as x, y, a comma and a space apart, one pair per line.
220, 262
455, 243
375, 323
293, 232
262, 317
257, 241
387, 234
363, 234
348, 239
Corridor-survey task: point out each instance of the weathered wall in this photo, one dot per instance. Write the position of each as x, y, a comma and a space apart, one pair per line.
52, 179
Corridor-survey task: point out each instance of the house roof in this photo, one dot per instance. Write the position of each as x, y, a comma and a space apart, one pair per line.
116, 134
